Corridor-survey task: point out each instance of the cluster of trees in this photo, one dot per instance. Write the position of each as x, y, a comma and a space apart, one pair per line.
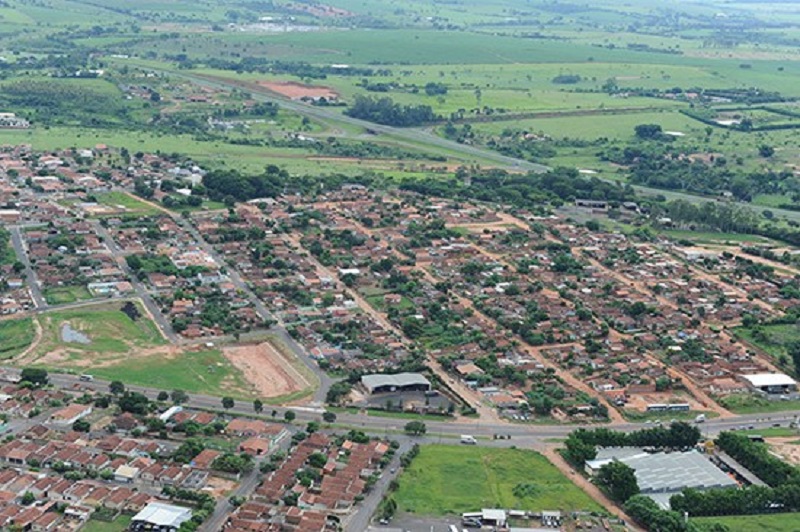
581, 445
756, 457
299, 69
521, 190
390, 113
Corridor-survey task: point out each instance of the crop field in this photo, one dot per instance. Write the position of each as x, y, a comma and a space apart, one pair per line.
448, 480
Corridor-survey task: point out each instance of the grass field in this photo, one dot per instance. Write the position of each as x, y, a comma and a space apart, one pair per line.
66, 294
447, 480
207, 372
119, 524
788, 522
750, 404
109, 330
15, 336
131, 205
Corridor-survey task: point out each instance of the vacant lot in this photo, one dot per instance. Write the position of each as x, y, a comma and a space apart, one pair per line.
120, 202
297, 91
270, 371
106, 334
66, 294
15, 337
788, 522
206, 372
451, 480
118, 525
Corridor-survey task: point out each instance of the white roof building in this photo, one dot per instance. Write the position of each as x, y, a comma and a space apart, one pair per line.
770, 382
160, 516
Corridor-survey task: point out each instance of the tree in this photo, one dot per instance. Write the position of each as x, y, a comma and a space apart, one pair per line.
228, 403
162, 396
179, 396
312, 427
258, 406
766, 151
619, 480
81, 426
116, 387
793, 350
415, 428
37, 377
329, 417
28, 499
289, 416
648, 131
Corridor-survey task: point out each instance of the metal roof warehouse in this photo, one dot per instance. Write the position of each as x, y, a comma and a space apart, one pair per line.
399, 382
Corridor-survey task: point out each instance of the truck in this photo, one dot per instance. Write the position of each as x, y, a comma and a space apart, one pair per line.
86, 378
700, 418
466, 439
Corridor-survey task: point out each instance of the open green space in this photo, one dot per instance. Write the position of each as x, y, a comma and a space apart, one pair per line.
207, 372
15, 336
59, 295
449, 480
774, 432
119, 524
785, 522
126, 203
109, 332
751, 404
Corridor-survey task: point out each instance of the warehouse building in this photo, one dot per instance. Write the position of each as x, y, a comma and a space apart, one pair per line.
662, 475
402, 382
160, 517
771, 383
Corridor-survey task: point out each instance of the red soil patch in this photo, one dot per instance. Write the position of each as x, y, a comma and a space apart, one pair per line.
299, 91
267, 369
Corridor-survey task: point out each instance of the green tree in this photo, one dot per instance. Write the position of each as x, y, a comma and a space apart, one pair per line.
81, 426
258, 406
415, 428
116, 387
37, 377
289, 416
179, 397
619, 480
329, 417
228, 403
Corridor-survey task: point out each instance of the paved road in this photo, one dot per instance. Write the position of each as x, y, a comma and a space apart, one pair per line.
147, 300
442, 431
30, 276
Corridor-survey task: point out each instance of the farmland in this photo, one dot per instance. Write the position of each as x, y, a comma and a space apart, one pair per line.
445, 480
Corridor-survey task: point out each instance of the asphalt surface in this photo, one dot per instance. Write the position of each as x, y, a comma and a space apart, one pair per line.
147, 300
30, 276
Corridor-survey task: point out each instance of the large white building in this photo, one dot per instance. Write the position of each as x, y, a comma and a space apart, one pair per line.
771, 383
160, 517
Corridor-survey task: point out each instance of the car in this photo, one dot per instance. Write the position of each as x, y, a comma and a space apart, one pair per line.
776, 424
393, 470
384, 521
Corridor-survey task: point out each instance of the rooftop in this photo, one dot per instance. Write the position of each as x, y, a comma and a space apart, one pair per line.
769, 379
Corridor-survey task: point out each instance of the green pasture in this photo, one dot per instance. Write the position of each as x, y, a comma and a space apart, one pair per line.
449, 480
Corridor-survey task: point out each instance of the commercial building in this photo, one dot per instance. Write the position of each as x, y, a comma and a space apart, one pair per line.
662, 475
160, 517
771, 383
402, 382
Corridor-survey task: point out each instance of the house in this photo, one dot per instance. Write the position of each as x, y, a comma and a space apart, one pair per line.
254, 446
70, 414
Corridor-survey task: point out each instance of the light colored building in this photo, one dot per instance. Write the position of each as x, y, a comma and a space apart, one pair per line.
771, 383
161, 517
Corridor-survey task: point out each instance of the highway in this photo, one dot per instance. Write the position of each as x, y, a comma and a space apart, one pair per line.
443, 430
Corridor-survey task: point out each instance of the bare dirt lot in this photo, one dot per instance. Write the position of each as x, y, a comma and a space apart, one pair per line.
267, 369
787, 448
298, 91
